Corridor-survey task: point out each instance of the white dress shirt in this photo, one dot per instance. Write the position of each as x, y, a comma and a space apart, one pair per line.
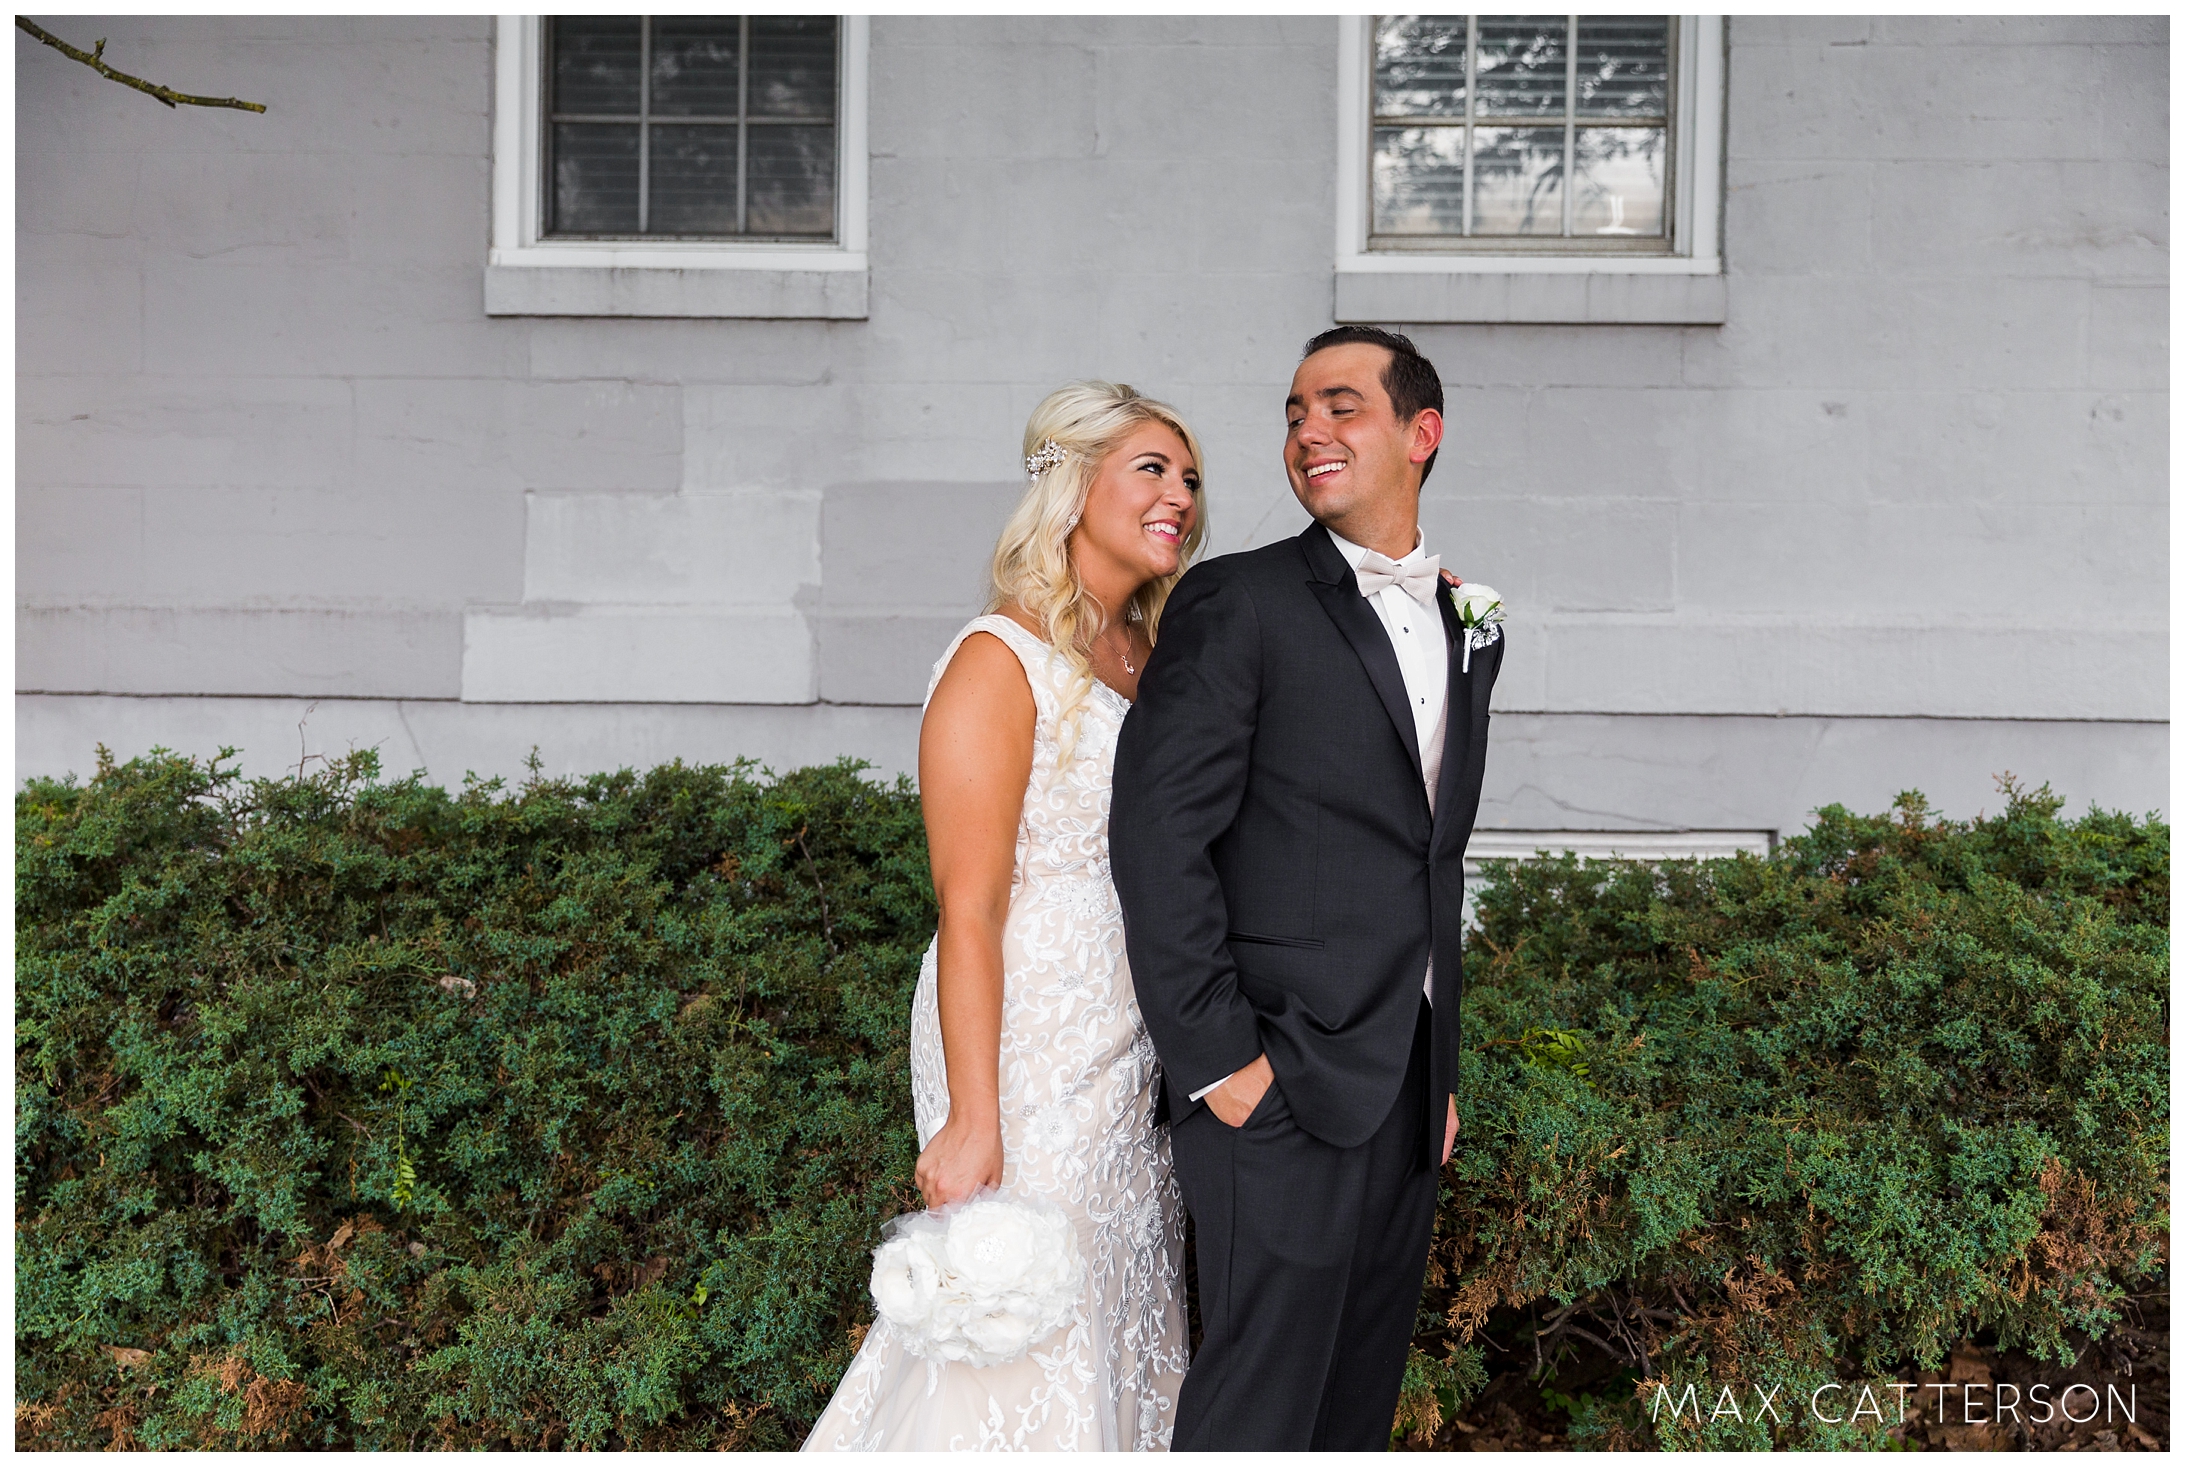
1422, 647
1422, 655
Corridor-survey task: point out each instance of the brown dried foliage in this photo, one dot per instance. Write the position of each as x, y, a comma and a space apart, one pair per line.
272, 1409
2083, 1238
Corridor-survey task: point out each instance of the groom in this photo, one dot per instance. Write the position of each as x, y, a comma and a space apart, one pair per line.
1293, 793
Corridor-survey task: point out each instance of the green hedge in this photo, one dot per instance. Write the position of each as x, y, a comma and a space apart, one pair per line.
1775, 1123
365, 1114
384, 1117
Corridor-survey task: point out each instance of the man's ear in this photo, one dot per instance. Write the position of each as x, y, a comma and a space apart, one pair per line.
1426, 431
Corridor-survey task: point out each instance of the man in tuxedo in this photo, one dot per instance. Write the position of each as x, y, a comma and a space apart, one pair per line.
1293, 793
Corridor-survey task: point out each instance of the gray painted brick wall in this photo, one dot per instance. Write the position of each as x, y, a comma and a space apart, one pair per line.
1902, 516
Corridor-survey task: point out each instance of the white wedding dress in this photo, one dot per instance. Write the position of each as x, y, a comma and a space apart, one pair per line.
1078, 1076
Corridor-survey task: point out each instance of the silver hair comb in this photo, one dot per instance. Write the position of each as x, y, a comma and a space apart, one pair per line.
1050, 453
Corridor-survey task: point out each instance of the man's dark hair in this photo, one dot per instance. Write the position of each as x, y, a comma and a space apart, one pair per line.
1409, 379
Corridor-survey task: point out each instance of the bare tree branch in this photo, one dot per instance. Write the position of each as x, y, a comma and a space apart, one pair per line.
167, 95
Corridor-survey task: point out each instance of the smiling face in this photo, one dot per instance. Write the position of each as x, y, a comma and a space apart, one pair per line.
1142, 503
1352, 463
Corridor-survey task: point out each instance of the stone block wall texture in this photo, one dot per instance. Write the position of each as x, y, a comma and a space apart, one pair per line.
1901, 520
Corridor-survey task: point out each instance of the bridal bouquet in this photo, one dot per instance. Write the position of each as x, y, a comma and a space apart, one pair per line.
980, 1281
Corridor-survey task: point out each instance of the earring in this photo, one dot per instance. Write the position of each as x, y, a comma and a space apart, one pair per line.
1072, 524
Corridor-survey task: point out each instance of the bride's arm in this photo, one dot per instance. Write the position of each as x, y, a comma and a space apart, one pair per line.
974, 759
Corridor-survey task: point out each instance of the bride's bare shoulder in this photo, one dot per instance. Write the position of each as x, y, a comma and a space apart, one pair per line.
984, 681
976, 740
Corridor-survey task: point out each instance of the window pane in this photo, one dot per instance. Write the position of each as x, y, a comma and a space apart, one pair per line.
694, 67
793, 66
595, 178
790, 175
693, 180
596, 64
1619, 181
1418, 66
1521, 68
1418, 180
1623, 66
1519, 183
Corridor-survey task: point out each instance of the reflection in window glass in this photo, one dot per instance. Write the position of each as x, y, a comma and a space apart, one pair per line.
1521, 66
696, 65
693, 127
793, 66
1541, 129
1619, 173
1418, 179
1517, 184
1418, 65
694, 180
595, 178
596, 62
792, 180
1623, 66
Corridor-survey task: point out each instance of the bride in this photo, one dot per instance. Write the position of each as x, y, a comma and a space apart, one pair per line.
1031, 1071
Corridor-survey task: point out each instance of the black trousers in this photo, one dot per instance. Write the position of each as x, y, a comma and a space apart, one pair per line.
1311, 1258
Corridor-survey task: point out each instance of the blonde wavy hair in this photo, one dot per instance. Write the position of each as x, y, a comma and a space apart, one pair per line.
1032, 563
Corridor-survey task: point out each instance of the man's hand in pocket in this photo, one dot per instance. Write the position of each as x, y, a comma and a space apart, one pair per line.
1234, 1099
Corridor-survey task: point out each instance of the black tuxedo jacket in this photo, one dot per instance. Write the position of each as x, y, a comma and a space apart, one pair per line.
1283, 880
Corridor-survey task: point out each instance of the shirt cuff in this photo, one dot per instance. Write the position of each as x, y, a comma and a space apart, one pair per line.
1198, 1095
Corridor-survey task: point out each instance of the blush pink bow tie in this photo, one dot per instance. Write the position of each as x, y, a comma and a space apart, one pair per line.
1377, 572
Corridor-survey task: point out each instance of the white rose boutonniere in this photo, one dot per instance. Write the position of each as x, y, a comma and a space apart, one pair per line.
1479, 612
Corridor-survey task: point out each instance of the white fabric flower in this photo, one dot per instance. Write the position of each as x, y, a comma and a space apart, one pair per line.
906, 1279
991, 1245
1001, 1334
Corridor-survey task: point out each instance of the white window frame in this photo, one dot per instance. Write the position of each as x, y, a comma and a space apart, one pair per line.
528, 276
1683, 286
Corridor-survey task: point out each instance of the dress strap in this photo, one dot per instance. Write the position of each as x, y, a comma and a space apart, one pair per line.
1037, 657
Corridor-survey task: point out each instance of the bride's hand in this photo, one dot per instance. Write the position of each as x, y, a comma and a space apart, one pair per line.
962, 1157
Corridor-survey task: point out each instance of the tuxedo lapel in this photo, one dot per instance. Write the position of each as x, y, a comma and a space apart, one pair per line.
1457, 723
1337, 587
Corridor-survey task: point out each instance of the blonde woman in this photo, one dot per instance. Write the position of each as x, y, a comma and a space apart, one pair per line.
1030, 1067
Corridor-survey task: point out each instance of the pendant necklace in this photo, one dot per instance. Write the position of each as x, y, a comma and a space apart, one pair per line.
1124, 655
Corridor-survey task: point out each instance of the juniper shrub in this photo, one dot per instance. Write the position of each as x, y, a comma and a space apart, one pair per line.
370, 1115
1775, 1122
549, 1117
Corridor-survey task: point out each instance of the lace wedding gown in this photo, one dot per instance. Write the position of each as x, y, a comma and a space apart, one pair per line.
1077, 1087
